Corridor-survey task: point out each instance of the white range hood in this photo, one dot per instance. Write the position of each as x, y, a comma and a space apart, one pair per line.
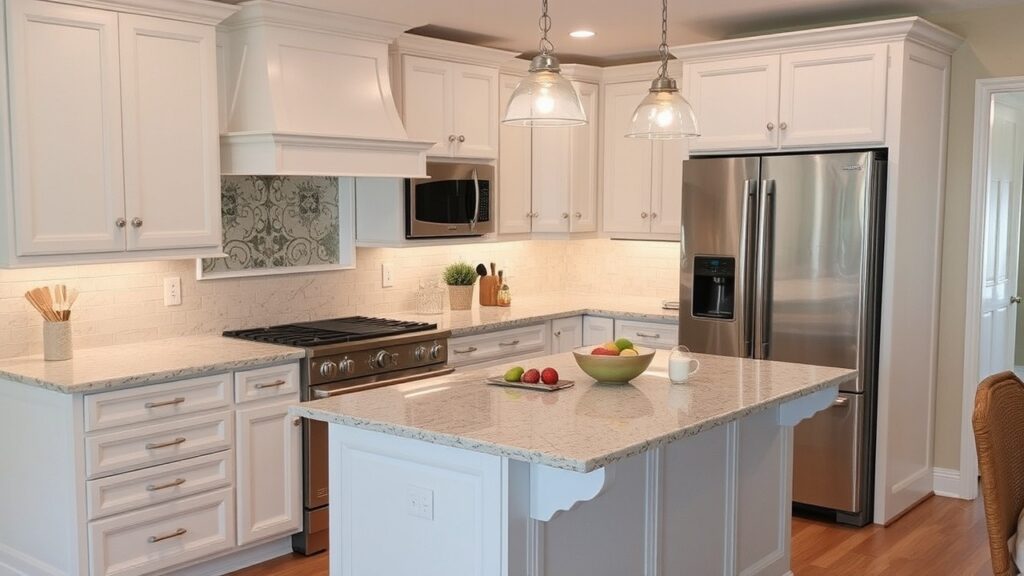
308, 92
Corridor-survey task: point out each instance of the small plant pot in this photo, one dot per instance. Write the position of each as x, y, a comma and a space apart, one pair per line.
56, 340
460, 297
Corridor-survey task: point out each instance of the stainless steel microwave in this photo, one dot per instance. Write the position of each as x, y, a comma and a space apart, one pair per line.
454, 200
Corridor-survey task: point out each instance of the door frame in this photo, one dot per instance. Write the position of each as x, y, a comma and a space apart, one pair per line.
985, 89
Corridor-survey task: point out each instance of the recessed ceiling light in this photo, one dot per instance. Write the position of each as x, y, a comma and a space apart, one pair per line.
581, 33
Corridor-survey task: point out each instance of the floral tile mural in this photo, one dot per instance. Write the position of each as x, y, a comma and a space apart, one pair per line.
277, 222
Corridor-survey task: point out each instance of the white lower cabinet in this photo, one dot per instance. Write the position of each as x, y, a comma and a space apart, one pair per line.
493, 347
269, 483
566, 334
597, 330
650, 334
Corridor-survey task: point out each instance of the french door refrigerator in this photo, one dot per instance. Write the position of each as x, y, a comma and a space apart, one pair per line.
781, 260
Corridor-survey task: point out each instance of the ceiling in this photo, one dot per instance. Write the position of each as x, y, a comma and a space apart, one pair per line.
627, 30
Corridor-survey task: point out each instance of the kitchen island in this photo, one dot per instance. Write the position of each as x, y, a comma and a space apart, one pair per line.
451, 476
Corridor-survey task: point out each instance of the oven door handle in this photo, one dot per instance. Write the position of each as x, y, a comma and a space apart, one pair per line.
476, 204
320, 394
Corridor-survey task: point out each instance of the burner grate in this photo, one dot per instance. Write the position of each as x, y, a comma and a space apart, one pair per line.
336, 331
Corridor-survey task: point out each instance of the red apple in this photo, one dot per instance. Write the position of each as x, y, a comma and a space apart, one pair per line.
549, 376
531, 376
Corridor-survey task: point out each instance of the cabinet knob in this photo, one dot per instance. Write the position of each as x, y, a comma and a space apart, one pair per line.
462, 138
783, 126
578, 215
451, 137
136, 222
643, 215
565, 215
297, 422
770, 126
654, 215
120, 222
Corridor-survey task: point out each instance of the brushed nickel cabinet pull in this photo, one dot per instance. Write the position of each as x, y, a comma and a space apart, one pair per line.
297, 422
462, 138
771, 126
465, 351
136, 222
175, 442
175, 534
177, 400
274, 384
643, 335
579, 215
172, 484
512, 343
120, 222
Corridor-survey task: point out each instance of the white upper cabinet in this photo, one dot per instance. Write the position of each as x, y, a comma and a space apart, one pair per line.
515, 173
736, 102
428, 110
833, 96
627, 162
171, 149
667, 188
475, 111
114, 133
583, 172
552, 165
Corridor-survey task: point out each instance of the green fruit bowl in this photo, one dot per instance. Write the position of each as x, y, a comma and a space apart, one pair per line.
613, 369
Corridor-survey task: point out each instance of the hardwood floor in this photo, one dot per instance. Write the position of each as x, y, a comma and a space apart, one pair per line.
941, 537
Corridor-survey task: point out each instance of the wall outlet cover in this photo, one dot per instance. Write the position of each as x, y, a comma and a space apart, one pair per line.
172, 291
387, 275
420, 502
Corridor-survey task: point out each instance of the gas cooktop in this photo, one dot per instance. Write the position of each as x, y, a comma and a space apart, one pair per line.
335, 331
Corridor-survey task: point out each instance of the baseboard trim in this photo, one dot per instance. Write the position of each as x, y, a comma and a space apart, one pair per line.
946, 482
236, 559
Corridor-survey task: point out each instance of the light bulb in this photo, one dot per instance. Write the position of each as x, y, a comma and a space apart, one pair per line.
543, 104
665, 117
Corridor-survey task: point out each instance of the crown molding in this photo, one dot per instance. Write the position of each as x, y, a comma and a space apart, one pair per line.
282, 14
199, 11
417, 45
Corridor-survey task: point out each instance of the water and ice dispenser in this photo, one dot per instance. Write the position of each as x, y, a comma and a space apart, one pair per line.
714, 287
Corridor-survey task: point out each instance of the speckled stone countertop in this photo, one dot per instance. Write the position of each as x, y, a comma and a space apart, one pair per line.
534, 309
123, 366
581, 428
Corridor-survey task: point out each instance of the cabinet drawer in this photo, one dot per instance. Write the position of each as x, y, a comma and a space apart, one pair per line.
650, 334
147, 403
163, 536
133, 490
495, 345
267, 382
157, 444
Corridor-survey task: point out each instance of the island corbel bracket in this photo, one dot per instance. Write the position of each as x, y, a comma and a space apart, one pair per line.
793, 412
553, 490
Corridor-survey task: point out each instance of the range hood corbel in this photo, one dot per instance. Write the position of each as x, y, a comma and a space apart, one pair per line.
308, 92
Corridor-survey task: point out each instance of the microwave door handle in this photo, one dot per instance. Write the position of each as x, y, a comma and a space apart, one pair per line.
476, 204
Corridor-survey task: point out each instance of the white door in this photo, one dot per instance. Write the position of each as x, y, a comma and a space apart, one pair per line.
427, 102
834, 96
475, 111
171, 138
597, 330
627, 162
566, 334
65, 97
667, 189
269, 472
1002, 237
514, 171
583, 175
736, 102
552, 162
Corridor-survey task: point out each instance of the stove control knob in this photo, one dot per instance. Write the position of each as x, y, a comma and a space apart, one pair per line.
381, 359
328, 369
346, 366
435, 351
421, 353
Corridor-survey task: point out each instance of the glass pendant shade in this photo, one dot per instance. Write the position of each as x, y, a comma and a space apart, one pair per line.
545, 98
661, 115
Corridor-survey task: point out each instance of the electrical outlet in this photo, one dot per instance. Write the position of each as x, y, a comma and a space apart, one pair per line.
172, 291
420, 502
387, 275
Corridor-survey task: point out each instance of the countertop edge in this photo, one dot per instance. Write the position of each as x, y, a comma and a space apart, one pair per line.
570, 464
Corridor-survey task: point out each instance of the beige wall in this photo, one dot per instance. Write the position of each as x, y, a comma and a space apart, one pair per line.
994, 48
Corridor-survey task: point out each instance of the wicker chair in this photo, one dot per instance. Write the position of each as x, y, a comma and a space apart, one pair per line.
999, 433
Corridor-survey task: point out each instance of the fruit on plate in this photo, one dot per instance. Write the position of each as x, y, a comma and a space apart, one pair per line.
629, 352
531, 376
549, 376
623, 344
602, 351
514, 374
611, 347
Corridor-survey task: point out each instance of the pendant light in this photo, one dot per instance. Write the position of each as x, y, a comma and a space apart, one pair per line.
545, 97
663, 114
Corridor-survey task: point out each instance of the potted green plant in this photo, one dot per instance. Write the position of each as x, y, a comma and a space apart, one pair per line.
460, 278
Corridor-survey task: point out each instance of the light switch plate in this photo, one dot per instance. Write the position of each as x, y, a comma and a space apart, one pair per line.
420, 502
387, 275
172, 291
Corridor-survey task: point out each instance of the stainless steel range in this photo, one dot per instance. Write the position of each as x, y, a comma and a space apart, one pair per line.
348, 355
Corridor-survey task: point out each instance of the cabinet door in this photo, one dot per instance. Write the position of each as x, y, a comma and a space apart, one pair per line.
566, 334
597, 330
269, 474
736, 102
427, 102
475, 111
514, 178
171, 139
627, 162
834, 96
65, 98
583, 175
667, 189
551, 166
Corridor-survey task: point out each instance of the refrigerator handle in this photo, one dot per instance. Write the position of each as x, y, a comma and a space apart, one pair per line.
750, 216
765, 255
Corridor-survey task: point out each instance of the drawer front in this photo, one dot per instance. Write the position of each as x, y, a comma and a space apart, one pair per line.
480, 348
148, 403
650, 334
267, 382
145, 446
163, 536
134, 490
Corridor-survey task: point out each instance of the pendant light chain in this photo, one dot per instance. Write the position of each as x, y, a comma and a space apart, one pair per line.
544, 23
663, 49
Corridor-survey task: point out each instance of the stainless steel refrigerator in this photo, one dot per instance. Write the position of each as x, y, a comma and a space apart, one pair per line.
781, 260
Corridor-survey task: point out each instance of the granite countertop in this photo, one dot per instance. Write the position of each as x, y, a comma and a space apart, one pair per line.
534, 309
127, 365
581, 428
